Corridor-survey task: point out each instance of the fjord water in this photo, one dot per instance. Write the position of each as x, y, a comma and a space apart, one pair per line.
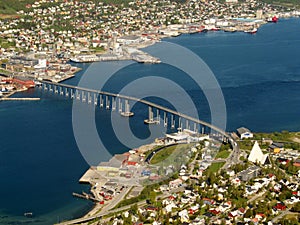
40, 163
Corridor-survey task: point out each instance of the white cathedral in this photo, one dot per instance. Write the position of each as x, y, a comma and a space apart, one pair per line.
257, 156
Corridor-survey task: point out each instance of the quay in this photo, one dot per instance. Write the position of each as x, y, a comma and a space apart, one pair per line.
20, 99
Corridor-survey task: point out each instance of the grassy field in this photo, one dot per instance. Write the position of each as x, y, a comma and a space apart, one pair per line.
214, 167
171, 155
290, 140
12, 6
163, 154
283, 2
223, 154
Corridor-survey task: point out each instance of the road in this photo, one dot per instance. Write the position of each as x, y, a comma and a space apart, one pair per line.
234, 157
256, 196
111, 204
282, 214
107, 212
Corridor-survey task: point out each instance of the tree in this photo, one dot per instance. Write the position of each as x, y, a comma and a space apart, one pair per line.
296, 207
248, 214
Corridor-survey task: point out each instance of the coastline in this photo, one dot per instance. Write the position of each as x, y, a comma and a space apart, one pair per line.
96, 207
88, 178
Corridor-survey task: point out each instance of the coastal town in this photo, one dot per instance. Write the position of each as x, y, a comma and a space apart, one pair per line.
39, 42
189, 178
185, 177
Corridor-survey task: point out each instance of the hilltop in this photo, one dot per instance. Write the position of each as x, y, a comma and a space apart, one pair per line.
9, 7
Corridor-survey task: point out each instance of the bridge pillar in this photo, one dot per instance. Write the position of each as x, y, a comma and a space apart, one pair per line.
50, 88
150, 114
180, 124
172, 121
55, 89
195, 127
165, 119
77, 94
95, 99
107, 102
157, 116
61, 91
89, 98
202, 130
120, 105
101, 101
113, 104
45, 87
83, 96
187, 126
126, 106
71, 93
67, 92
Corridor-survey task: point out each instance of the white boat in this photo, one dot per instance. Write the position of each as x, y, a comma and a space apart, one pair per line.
28, 214
253, 31
37, 83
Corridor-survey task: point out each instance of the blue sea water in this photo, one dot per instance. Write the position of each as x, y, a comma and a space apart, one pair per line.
40, 163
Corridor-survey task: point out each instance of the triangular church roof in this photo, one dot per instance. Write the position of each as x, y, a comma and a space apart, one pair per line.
257, 156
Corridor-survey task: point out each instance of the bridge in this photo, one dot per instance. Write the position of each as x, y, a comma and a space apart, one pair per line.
110, 100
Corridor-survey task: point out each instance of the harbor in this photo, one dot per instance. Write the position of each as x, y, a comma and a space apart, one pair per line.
36, 164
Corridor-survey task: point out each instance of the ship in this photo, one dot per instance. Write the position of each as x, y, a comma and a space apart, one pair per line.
28, 214
273, 19
253, 31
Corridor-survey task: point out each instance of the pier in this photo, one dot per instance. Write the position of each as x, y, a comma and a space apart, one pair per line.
20, 99
85, 196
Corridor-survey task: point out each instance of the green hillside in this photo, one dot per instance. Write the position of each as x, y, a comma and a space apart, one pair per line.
11, 6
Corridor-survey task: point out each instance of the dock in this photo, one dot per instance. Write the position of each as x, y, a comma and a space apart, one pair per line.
85, 196
20, 99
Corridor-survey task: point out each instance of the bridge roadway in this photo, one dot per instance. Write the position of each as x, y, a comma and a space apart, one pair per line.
153, 105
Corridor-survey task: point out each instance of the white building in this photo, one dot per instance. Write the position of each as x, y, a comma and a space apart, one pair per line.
257, 156
244, 133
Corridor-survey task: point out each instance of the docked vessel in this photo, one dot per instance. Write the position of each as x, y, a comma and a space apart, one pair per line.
253, 31
273, 19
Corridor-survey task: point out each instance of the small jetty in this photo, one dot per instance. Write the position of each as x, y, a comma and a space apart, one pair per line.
85, 196
20, 99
